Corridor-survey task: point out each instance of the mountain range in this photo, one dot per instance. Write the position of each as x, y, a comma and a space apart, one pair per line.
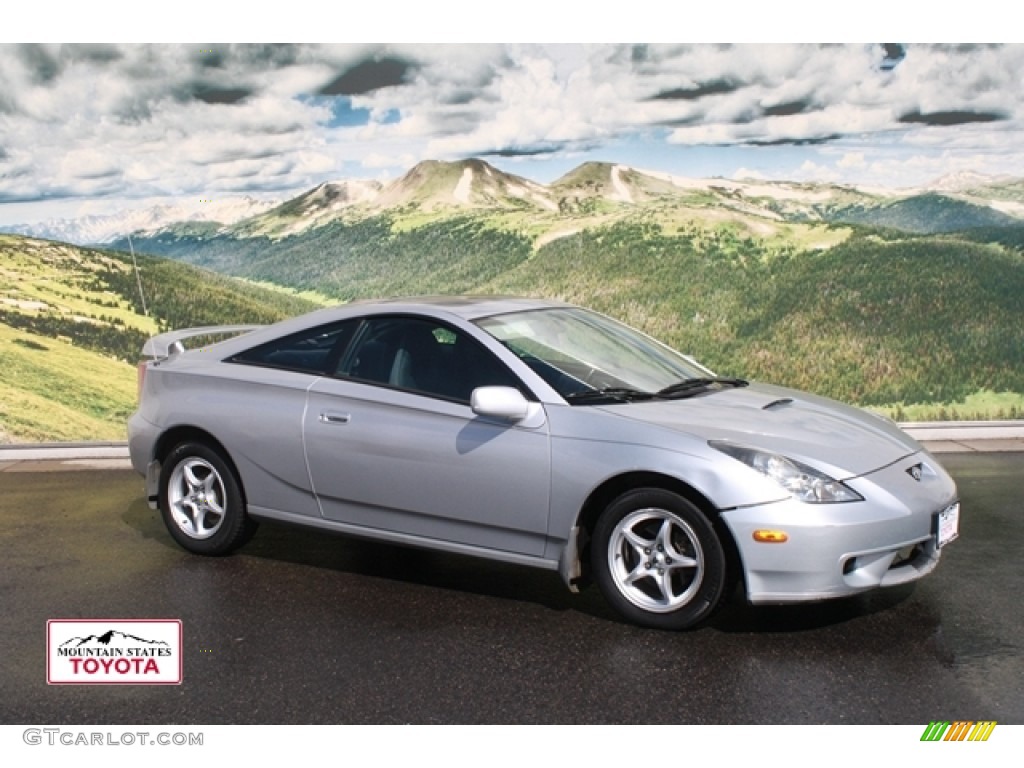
105, 228
433, 188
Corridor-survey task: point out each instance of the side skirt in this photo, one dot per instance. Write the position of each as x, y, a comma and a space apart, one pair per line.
361, 532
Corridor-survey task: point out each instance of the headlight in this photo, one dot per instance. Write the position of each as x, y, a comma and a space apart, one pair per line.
803, 482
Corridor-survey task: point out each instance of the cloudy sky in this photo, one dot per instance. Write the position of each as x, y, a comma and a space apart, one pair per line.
89, 128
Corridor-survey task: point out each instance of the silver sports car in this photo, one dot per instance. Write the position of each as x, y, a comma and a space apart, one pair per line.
538, 433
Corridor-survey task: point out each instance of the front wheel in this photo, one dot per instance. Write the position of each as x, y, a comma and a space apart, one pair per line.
658, 561
201, 501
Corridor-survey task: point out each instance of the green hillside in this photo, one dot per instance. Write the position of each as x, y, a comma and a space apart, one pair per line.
872, 321
366, 258
923, 214
72, 329
924, 326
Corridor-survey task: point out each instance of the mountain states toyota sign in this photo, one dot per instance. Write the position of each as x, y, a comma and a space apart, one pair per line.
113, 652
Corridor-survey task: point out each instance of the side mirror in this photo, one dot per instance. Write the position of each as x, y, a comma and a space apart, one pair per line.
505, 403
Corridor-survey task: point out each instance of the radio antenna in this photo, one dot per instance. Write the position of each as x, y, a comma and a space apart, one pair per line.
138, 277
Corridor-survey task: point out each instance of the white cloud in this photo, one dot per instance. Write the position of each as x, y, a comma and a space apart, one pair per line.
136, 120
811, 171
852, 160
747, 173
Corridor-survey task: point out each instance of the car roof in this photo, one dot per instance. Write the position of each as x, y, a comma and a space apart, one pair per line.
466, 307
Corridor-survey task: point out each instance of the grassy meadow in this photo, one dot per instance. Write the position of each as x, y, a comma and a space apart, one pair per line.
72, 327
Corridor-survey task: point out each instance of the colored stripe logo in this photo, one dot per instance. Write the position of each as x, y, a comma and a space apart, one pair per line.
958, 730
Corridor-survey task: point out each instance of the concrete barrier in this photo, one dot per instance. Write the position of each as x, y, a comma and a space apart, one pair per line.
937, 437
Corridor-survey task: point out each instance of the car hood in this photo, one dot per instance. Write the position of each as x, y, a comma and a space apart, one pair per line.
836, 438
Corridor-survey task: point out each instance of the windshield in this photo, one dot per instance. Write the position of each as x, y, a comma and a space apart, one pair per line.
577, 351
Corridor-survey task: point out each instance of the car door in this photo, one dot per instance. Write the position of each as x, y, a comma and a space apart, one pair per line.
257, 405
393, 445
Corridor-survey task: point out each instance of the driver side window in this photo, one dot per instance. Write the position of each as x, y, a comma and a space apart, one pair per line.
424, 356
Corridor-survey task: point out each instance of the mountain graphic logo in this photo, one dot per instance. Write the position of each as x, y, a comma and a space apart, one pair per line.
108, 638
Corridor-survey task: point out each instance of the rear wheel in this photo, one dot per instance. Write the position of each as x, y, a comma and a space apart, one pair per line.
658, 561
201, 501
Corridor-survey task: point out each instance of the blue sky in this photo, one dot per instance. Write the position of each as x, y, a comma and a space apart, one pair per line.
94, 128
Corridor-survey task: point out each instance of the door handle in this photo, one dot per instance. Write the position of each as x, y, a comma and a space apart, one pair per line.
333, 417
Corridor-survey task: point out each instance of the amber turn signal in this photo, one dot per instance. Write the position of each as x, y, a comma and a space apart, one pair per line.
770, 537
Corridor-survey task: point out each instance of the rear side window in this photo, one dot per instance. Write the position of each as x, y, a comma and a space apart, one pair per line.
314, 350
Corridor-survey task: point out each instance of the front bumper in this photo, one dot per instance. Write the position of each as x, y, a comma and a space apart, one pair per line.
835, 550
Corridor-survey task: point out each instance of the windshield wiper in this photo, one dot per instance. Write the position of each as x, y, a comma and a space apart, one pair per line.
681, 389
609, 394
688, 387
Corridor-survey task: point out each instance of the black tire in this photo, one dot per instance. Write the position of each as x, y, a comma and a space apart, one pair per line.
201, 501
675, 587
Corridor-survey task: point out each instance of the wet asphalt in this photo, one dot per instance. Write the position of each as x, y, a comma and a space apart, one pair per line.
300, 627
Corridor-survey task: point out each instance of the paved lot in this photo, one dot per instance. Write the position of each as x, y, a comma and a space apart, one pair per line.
301, 627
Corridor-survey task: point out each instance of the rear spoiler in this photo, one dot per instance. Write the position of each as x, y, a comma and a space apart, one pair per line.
169, 344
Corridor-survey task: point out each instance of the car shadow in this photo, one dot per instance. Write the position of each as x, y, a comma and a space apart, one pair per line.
148, 523
438, 570
741, 617
329, 551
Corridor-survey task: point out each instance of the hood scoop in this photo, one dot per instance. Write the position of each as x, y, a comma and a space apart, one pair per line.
782, 401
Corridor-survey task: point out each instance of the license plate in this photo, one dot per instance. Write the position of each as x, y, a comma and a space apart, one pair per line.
949, 524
